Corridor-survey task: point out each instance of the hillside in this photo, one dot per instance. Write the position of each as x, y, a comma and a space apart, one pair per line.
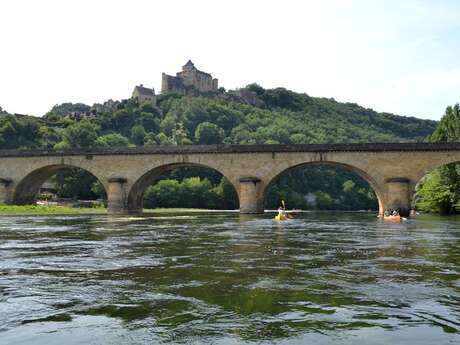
252, 115
281, 116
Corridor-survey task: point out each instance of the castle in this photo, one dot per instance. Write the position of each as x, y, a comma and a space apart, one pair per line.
144, 94
190, 81
193, 82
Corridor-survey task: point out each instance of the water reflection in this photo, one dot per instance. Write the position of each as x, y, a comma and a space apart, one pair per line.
225, 278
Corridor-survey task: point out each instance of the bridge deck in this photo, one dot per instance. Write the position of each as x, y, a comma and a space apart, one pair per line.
212, 149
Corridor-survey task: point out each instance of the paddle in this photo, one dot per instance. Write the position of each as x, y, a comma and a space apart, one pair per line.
288, 215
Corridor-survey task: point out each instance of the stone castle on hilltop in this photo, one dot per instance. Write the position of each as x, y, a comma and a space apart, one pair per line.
193, 82
189, 81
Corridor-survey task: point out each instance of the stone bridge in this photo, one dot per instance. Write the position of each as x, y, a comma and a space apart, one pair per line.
392, 169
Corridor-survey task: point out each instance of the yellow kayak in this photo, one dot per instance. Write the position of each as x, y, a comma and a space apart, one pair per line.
281, 217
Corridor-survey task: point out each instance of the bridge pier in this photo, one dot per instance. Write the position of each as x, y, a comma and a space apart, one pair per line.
5, 190
251, 200
398, 194
116, 196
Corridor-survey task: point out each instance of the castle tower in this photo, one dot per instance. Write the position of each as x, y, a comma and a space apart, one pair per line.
189, 81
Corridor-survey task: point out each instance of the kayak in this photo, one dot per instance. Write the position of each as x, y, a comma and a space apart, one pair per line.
392, 218
281, 217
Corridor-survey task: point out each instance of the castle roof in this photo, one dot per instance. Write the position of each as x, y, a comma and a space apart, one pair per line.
189, 64
144, 90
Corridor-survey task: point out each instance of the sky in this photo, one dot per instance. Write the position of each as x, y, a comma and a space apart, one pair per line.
400, 56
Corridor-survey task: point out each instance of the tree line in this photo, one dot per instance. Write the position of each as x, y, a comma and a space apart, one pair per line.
281, 116
439, 191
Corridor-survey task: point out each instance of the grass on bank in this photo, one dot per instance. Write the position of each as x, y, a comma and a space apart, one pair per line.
53, 209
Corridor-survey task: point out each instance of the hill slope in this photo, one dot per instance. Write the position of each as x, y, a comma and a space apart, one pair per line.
248, 116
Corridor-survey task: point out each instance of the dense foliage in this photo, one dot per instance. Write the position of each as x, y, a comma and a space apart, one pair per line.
281, 116
322, 187
439, 191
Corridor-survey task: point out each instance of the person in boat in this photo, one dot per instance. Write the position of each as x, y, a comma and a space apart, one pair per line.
281, 211
395, 213
386, 213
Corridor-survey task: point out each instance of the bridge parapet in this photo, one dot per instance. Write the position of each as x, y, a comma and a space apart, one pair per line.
220, 149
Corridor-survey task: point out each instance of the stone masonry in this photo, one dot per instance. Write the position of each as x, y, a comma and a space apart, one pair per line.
393, 170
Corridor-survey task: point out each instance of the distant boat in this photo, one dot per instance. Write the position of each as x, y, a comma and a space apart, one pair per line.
282, 217
392, 218
285, 216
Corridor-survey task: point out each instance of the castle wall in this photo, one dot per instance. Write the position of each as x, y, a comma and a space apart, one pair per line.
189, 77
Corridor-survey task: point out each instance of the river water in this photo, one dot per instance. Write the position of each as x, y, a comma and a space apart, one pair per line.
340, 278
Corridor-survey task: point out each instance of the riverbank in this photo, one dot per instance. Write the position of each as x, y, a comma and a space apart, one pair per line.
52, 209
36, 209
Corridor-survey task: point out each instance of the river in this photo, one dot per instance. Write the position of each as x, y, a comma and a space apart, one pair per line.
225, 278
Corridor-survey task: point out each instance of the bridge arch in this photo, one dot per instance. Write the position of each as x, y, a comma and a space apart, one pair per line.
28, 187
379, 193
433, 165
136, 193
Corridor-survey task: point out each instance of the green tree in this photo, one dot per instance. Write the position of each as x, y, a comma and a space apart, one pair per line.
76, 184
163, 139
66, 108
208, 133
112, 140
123, 120
448, 129
298, 138
323, 200
80, 134
9, 135
138, 135
165, 193
150, 139
348, 185
168, 124
180, 136
150, 122
434, 194
440, 190
227, 194
49, 136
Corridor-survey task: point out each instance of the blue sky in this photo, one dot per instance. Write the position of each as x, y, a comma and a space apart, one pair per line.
393, 56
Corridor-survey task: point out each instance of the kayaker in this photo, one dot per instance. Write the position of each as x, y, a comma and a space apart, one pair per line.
281, 212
